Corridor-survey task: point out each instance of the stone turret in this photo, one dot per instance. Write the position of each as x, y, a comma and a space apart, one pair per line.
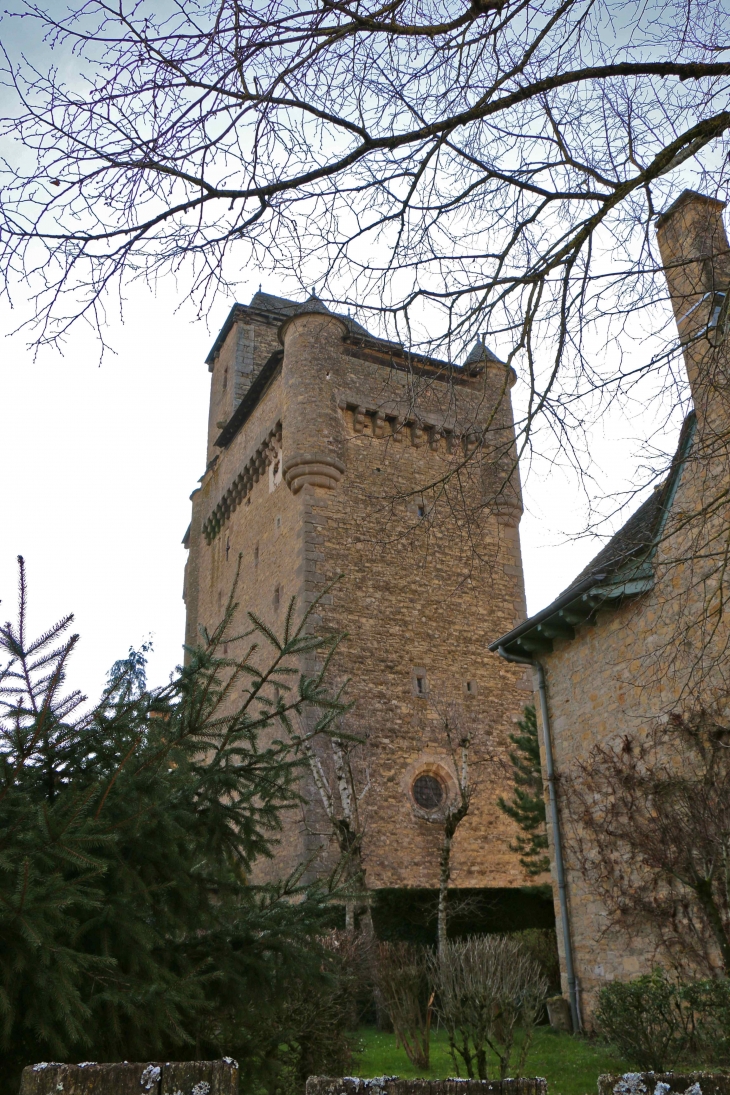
313, 426
500, 467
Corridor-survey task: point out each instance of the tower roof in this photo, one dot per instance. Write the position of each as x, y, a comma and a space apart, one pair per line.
480, 353
312, 304
281, 307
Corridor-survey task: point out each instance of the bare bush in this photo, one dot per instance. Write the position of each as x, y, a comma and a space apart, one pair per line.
650, 821
401, 973
487, 986
317, 1018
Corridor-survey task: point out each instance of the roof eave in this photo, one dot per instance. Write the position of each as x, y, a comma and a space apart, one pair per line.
574, 608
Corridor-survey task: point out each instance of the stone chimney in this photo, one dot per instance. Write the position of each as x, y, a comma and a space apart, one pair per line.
696, 256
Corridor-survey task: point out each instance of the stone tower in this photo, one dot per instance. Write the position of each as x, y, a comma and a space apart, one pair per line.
331, 452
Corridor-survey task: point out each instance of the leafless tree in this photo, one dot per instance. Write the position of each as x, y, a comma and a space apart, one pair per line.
453, 167
456, 806
340, 773
650, 823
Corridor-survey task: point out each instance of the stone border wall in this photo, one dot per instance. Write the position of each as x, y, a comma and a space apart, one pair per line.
392, 1085
664, 1083
157, 1078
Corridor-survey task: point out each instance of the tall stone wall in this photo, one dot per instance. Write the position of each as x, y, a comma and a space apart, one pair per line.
363, 483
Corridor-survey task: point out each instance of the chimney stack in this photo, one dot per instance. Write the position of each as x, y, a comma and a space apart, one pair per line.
696, 257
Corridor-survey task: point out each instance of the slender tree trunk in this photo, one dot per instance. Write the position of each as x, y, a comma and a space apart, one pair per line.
444, 876
705, 896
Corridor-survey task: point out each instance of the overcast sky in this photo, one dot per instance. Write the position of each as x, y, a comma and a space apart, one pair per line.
98, 463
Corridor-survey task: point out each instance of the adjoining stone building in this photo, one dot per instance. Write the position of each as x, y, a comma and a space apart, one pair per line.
643, 631
331, 452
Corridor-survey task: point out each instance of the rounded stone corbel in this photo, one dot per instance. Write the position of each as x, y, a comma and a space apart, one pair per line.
312, 469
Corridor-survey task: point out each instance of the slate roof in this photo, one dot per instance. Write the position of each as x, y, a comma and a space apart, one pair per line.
621, 569
480, 352
267, 302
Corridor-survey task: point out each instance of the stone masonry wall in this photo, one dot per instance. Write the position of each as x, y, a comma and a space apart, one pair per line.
661, 653
163, 1078
422, 590
392, 1085
668, 650
413, 598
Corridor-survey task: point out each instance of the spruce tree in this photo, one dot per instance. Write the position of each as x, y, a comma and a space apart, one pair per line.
129, 928
527, 806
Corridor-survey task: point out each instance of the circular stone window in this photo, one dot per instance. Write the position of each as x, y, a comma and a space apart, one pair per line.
428, 792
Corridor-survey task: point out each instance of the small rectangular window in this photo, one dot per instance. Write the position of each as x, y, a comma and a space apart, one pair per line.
277, 596
419, 681
256, 556
420, 511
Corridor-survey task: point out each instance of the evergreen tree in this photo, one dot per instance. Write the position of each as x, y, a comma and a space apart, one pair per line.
527, 807
128, 927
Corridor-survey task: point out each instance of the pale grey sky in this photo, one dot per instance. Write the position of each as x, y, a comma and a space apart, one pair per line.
98, 462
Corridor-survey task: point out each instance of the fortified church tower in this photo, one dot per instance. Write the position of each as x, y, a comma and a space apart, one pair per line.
331, 452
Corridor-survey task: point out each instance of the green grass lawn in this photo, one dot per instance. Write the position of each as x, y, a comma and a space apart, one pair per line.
570, 1064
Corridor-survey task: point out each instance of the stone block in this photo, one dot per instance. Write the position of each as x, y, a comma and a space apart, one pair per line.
668, 1083
558, 1010
392, 1085
200, 1078
155, 1078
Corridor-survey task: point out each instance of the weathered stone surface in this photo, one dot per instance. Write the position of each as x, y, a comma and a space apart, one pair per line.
392, 1085
558, 1010
155, 1078
674, 1083
426, 582
200, 1078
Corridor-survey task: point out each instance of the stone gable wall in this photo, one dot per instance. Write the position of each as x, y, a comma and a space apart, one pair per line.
668, 651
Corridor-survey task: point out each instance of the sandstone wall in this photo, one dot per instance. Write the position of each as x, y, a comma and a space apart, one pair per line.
669, 650
375, 490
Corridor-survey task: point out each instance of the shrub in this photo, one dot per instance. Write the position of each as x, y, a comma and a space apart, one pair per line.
542, 945
401, 974
487, 985
708, 1002
316, 1017
656, 1021
646, 1020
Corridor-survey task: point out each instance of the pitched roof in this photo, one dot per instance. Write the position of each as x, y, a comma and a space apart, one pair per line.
276, 308
480, 352
621, 569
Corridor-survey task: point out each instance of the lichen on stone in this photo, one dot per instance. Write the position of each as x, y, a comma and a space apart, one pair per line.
150, 1076
631, 1083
